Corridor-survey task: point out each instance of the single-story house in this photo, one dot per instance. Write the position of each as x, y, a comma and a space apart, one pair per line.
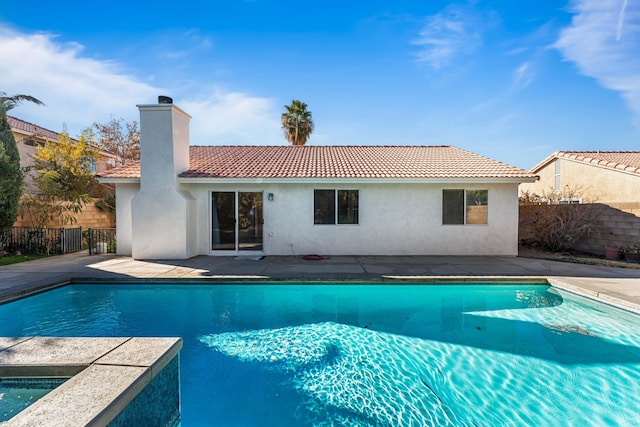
607, 177
180, 201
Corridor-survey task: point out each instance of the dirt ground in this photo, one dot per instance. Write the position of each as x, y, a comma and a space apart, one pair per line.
573, 256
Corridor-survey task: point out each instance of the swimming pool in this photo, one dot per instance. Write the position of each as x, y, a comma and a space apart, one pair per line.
368, 354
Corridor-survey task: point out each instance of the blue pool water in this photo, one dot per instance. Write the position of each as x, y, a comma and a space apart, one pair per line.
368, 355
17, 394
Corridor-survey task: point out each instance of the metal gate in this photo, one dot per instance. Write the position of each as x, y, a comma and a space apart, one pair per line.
51, 241
101, 241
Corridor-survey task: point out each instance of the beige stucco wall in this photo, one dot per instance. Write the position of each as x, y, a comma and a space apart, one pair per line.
596, 183
26, 159
28, 151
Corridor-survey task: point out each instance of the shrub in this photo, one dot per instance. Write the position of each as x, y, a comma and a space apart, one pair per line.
545, 221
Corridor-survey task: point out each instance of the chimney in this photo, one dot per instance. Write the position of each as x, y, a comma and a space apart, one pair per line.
162, 210
164, 144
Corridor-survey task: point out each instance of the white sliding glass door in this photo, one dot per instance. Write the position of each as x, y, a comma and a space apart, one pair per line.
236, 221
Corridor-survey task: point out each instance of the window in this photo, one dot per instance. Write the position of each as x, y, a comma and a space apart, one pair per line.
464, 206
570, 201
329, 205
30, 142
556, 175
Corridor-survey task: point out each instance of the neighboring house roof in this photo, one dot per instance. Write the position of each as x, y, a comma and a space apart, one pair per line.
31, 129
627, 161
334, 162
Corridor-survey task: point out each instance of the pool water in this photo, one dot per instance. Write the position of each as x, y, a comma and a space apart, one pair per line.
16, 394
368, 354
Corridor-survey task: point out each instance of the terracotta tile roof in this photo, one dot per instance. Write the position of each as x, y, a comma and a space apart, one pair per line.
627, 161
31, 128
42, 133
130, 170
335, 162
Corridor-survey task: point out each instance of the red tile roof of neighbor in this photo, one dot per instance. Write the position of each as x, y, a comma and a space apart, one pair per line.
43, 133
627, 161
335, 162
31, 128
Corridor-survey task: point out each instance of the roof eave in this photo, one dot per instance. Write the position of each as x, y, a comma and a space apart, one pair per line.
351, 180
544, 163
113, 180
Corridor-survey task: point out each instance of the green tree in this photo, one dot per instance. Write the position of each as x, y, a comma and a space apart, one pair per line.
113, 137
11, 175
64, 181
297, 123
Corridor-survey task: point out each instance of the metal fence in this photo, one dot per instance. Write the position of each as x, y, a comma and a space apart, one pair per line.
51, 241
101, 241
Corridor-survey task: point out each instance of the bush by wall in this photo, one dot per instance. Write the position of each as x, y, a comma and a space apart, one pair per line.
611, 226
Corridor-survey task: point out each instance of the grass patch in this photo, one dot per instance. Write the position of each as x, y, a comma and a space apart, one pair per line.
14, 259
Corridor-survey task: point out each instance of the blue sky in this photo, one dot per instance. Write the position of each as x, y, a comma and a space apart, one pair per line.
510, 80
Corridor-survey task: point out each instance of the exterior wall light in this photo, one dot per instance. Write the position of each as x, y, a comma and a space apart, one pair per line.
270, 197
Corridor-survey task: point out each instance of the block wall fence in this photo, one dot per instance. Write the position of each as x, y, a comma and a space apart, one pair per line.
90, 217
617, 225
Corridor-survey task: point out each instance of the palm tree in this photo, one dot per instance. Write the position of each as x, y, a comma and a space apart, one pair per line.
8, 102
297, 123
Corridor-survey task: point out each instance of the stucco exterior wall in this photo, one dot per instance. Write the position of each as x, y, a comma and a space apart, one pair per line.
162, 211
394, 219
124, 195
597, 184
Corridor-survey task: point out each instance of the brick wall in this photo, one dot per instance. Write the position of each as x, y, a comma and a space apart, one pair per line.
615, 227
90, 217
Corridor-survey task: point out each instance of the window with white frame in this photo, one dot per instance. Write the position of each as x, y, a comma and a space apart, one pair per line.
570, 201
465, 206
335, 206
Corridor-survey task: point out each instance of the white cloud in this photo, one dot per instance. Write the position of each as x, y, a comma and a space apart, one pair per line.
621, 20
233, 118
603, 41
187, 44
77, 90
523, 75
446, 35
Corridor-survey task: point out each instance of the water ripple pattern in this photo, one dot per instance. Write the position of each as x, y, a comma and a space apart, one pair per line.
537, 360
358, 376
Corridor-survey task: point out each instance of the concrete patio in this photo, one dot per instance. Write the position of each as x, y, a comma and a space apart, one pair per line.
618, 286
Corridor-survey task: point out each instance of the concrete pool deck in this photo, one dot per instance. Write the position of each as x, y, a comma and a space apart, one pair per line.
105, 376
614, 285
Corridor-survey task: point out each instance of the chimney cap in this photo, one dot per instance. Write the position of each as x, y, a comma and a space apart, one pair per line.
165, 100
